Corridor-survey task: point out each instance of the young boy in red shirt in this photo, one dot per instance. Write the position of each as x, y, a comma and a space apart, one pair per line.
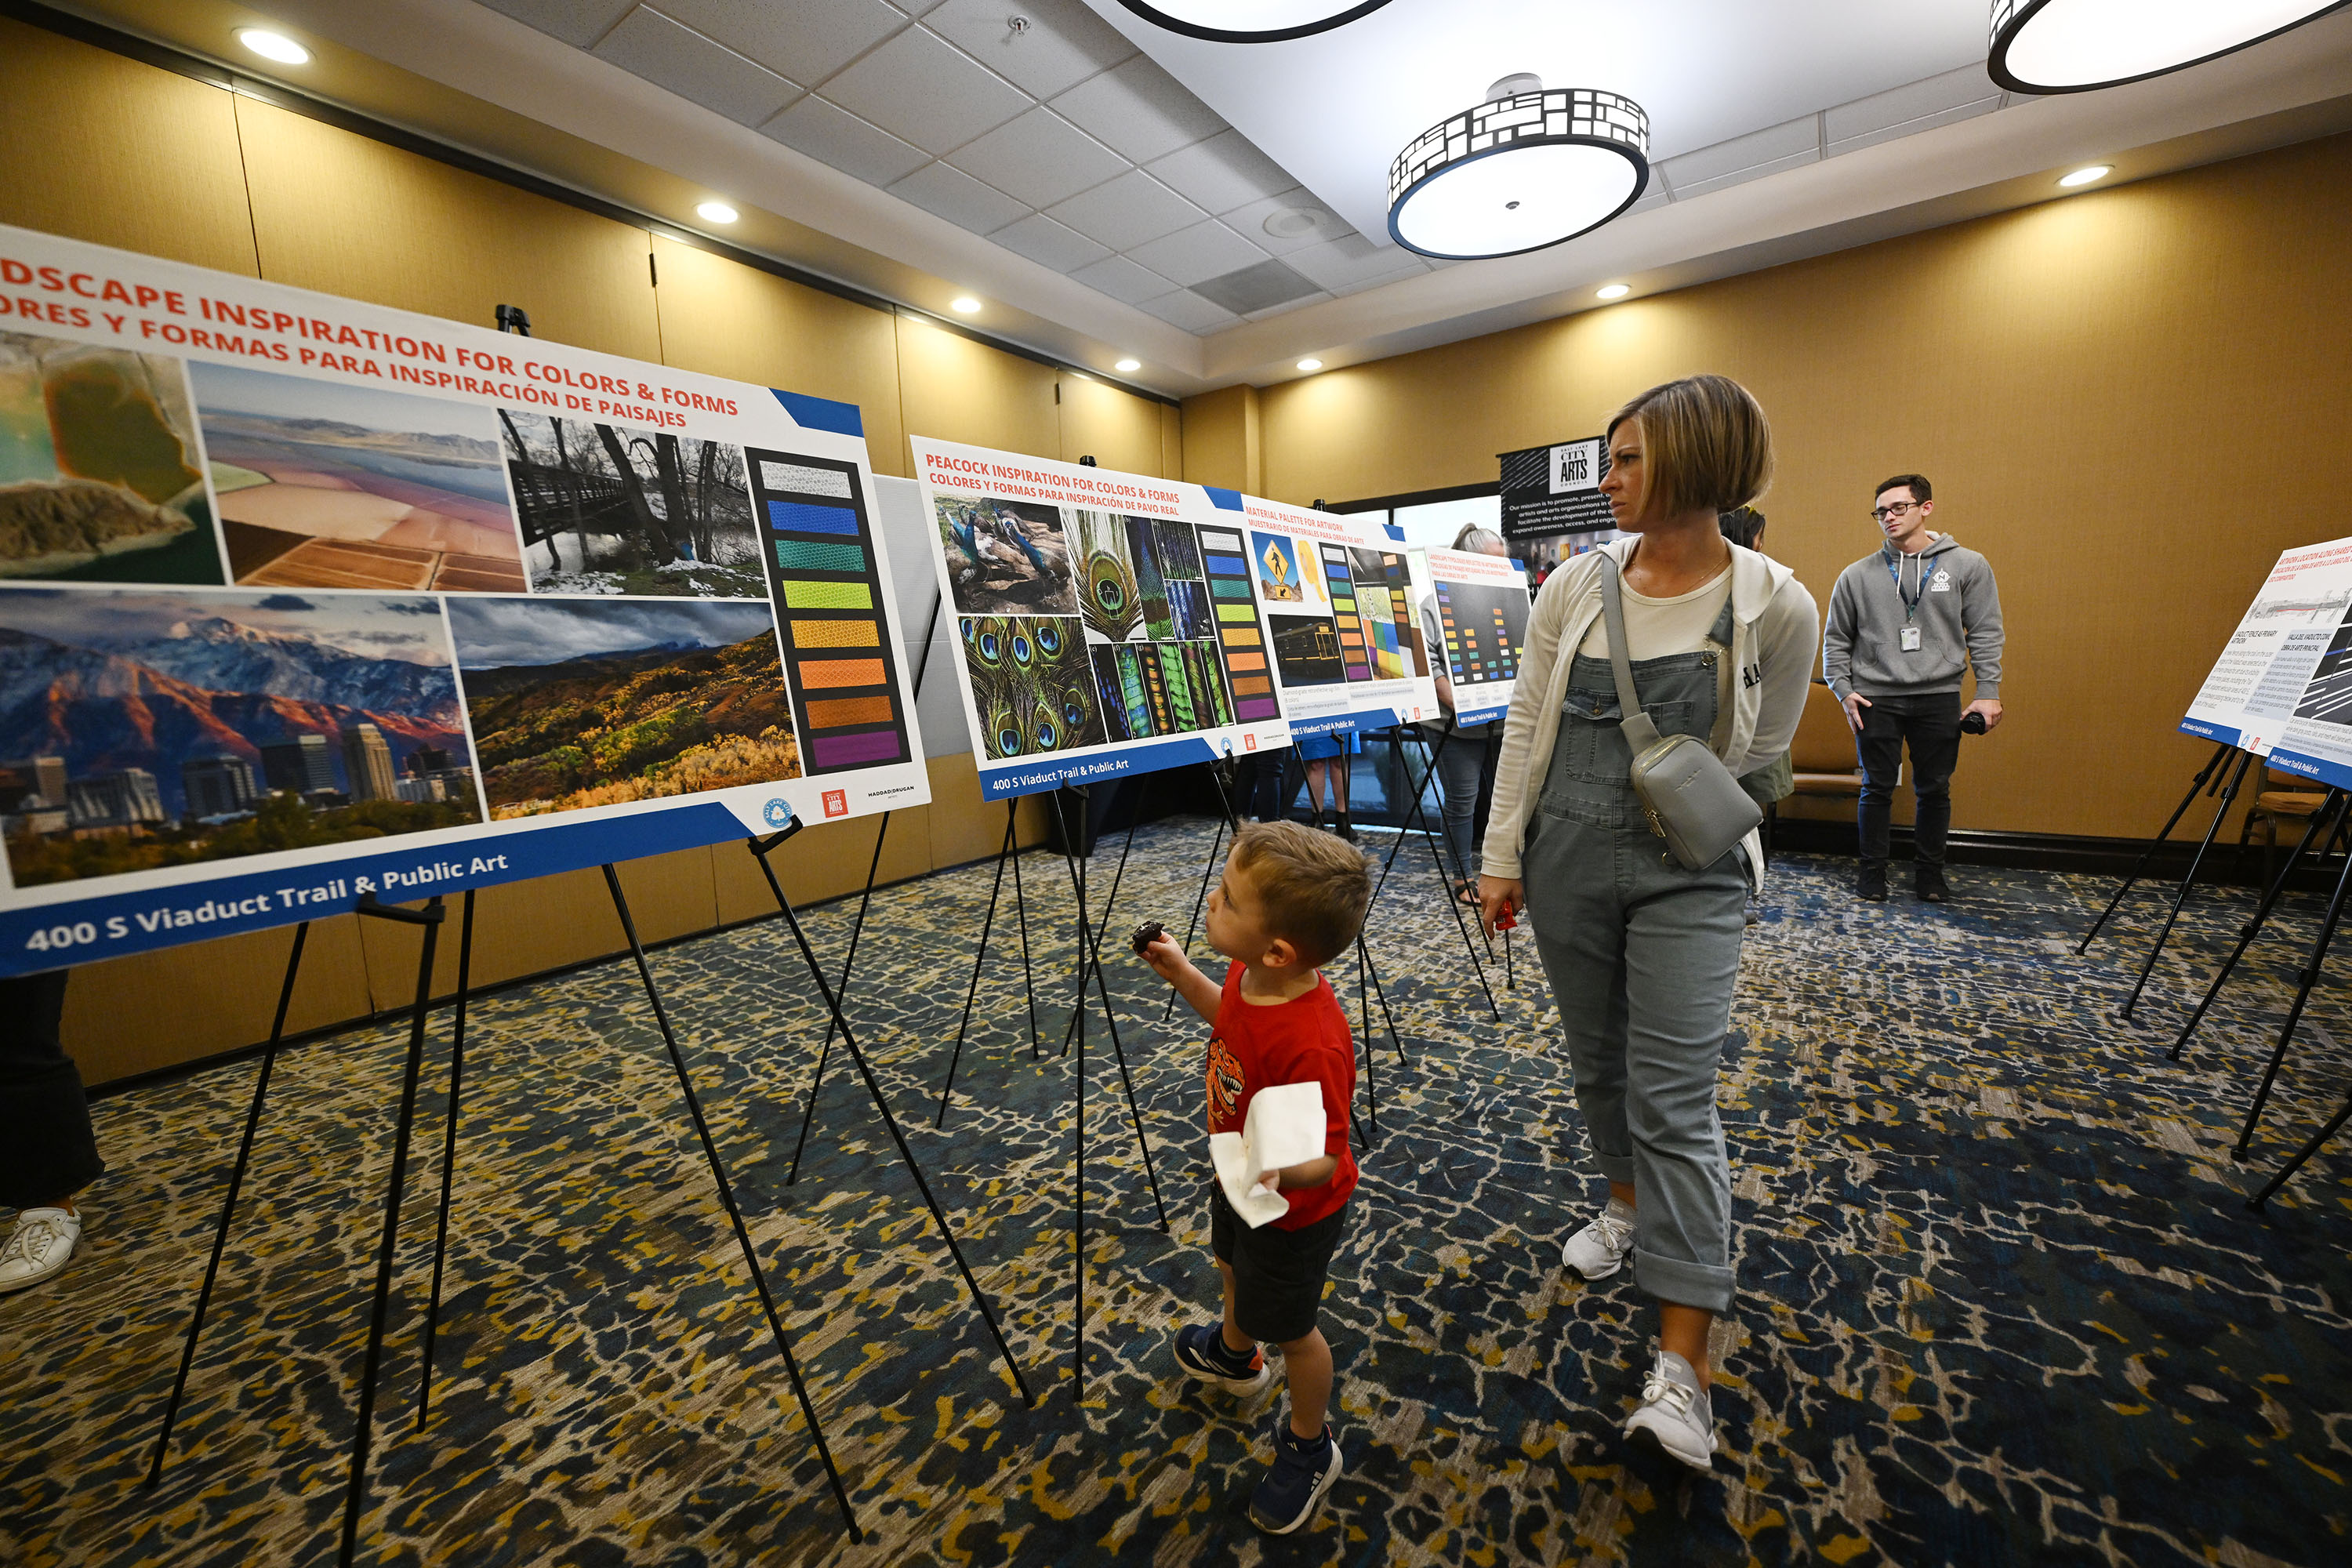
1291, 900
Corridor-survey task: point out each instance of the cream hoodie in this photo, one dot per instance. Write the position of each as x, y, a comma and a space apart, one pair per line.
1775, 628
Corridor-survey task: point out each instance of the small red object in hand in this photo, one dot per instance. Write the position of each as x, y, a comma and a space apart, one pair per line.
1507, 919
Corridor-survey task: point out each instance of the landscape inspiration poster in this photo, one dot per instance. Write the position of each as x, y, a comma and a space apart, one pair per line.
303, 600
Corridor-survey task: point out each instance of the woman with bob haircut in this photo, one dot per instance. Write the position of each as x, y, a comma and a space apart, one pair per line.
1641, 953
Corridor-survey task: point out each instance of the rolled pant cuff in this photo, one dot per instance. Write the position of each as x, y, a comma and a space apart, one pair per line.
1699, 1285
1616, 1167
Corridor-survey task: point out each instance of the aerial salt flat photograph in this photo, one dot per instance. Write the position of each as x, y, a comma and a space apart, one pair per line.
322, 485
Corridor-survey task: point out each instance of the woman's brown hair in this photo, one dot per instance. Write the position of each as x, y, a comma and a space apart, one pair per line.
1706, 446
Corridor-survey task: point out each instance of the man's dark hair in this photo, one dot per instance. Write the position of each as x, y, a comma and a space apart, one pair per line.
1920, 488
1743, 526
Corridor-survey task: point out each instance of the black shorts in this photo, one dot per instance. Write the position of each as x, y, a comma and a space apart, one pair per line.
1277, 1274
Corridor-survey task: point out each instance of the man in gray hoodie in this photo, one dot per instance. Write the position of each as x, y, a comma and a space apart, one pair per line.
1904, 622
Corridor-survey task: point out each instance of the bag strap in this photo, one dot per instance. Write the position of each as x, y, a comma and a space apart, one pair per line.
1641, 732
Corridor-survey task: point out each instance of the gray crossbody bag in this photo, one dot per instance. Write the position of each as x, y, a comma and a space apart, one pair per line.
1690, 797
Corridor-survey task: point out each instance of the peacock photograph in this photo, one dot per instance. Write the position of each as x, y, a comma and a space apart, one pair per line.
1006, 557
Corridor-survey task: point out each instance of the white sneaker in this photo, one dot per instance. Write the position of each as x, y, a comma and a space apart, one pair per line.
1675, 1416
1599, 1249
37, 1247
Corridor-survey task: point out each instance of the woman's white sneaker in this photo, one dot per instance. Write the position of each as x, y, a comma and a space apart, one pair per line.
39, 1245
1676, 1417
1599, 1249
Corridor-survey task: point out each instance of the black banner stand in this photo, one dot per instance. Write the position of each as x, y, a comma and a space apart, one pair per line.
2195, 785
2287, 1171
2306, 977
1009, 852
431, 918
2332, 807
2188, 878
1417, 814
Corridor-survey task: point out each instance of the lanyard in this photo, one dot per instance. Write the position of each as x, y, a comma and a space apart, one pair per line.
1910, 600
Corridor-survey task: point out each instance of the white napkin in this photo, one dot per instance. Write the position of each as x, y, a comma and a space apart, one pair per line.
1285, 1127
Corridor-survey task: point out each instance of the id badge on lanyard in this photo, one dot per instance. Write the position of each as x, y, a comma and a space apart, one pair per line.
1910, 638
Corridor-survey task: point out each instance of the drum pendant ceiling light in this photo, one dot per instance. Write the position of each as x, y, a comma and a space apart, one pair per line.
1251, 21
1529, 167
2075, 46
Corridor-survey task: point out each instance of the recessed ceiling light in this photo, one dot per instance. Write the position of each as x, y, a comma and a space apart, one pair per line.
1310, 364
1615, 291
1251, 21
1526, 169
1125, 365
2075, 46
717, 212
965, 304
272, 46
2085, 177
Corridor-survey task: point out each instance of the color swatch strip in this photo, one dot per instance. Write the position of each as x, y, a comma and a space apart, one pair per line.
827, 590
1237, 630
1336, 571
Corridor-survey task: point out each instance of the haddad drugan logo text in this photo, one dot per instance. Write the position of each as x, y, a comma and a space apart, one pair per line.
887, 793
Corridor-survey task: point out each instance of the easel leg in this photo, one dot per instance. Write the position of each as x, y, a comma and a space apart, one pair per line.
2195, 784
228, 1203
1200, 901
726, 1197
2285, 1172
449, 1154
2332, 807
977, 959
355, 1493
905, 1154
1119, 876
2308, 978
825, 1052
1021, 915
1372, 1076
2229, 794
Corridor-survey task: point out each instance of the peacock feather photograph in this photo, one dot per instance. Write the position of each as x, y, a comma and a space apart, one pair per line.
1032, 685
1110, 592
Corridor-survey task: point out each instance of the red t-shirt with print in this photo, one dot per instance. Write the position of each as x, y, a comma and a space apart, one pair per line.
1304, 1040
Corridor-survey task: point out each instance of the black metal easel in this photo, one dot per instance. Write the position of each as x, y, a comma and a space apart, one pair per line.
1008, 852
2331, 808
1417, 814
2195, 785
2229, 793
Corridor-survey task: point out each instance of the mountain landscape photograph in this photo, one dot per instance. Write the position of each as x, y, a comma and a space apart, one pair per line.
582, 702
141, 729
100, 474
322, 485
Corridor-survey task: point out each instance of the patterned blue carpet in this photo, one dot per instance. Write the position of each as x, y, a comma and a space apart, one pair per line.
2001, 1302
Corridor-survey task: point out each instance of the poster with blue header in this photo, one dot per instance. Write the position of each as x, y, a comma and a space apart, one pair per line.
1341, 598
1479, 604
303, 600
1108, 622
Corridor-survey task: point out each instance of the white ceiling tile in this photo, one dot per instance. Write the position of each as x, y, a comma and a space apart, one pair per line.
959, 198
650, 45
1913, 127
925, 92
1205, 250
833, 135
807, 40
1121, 279
1126, 212
1775, 144
1915, 100
1223, 172
1259, 287
1352, 258
1686, 187
1286, 306
1250, 222
1376, 280
1040, 158
1063, 44
577, 22
1187, 309
1139, 109
1048, 244
915, 7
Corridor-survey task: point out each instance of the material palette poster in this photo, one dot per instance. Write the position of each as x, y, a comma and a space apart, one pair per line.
1341, 598
2283, 686
1481, 602
302, 599
1105, 620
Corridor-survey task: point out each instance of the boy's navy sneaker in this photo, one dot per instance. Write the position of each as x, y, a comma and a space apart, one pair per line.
1201, 1350
1304, 1469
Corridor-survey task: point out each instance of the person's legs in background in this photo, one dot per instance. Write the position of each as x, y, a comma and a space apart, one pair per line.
1459, 759
48, 1150
1880, 748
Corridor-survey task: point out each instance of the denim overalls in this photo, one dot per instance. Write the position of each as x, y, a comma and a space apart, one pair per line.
1643, 956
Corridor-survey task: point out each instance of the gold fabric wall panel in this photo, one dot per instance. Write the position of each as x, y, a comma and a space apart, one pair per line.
1171, 442
336, 212
2130, 400
1220, 433
156, 1010
157, 172
722, 317
1118, 430
953, 389
966, 827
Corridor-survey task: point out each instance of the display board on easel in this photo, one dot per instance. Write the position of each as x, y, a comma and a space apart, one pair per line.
1341, 601
303, 599
1107, 622
2282, 687
1482, 606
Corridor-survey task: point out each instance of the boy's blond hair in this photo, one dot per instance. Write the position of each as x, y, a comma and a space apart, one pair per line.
1313, 887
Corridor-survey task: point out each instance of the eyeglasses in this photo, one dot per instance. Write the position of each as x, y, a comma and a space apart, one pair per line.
1896, 509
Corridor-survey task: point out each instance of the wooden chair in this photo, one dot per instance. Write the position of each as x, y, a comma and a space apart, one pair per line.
2285, 798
